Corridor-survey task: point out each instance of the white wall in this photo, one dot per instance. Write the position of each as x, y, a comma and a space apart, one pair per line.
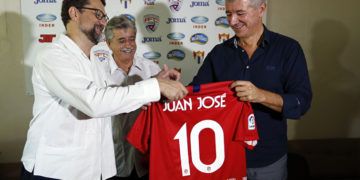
15, 106
328, 30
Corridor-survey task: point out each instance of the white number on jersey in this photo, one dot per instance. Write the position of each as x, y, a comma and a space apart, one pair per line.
195, 151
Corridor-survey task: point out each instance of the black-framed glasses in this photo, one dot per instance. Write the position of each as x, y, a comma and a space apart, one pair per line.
98, 13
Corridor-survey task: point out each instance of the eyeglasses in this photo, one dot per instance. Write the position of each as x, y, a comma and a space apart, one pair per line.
98, 13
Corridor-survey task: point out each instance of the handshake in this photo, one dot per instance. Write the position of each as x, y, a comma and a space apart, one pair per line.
170, 86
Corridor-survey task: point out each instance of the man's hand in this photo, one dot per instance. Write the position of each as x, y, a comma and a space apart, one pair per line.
247, 91
172, 90
167, 73
145, 106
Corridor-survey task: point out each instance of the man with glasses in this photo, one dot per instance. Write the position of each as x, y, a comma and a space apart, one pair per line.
98, 13
70, 134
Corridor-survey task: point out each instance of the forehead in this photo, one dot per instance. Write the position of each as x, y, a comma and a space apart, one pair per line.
123, 32
237, 5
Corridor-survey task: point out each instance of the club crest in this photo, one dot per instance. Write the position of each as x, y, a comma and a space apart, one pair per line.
175, 5
199, 56
151, 22
223, 37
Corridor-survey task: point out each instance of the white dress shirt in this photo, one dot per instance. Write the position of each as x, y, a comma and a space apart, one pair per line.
70, 134
127, 157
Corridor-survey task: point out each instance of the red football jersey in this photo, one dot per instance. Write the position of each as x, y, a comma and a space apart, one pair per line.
199, 137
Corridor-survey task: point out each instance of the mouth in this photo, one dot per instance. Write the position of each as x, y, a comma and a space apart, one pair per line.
127, 50
238, 26
99, 29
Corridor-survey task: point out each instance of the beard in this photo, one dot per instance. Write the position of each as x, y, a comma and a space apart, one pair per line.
93, 35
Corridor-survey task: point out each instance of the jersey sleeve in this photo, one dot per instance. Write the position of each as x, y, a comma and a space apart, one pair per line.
246, 131
139, 134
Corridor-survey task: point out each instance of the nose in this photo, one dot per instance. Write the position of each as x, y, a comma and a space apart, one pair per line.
128, 44
232, 19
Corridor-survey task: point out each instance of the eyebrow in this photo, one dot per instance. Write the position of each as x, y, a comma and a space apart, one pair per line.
237, 11
120, 38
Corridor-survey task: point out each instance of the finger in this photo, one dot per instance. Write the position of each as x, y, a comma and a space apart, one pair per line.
144, 107
241, 94
238, 83
184, 90
241, 89
174, 75
165, 67
243, 98
181, 91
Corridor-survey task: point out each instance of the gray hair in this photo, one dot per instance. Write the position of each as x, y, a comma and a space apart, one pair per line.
118, 22
253, 3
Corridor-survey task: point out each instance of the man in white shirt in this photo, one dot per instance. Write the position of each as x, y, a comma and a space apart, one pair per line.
70, 134
123, 67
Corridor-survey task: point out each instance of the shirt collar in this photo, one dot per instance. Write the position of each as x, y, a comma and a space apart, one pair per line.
113, 66
263, 42
71, 45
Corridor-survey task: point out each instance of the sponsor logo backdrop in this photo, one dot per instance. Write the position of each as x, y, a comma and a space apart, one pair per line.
179, 33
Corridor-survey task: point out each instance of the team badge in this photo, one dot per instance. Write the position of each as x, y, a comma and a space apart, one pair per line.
175, 5
176, 54
251, 122
223, 37
125, 3
199, 56
199, 38
101, 55
151, 22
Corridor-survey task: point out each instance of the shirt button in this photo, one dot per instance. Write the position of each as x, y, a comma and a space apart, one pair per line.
247, 67
242, 50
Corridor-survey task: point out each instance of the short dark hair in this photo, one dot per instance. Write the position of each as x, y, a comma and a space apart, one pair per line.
66, 4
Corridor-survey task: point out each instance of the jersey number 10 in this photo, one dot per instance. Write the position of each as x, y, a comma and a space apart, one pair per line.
194, 142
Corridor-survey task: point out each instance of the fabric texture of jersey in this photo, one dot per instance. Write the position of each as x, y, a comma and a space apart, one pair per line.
202, 136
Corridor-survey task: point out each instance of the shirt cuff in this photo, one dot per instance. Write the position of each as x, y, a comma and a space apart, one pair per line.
291, 106
151, 89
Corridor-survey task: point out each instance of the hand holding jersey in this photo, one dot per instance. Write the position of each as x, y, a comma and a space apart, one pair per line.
202, 136
247, 91
172, 90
